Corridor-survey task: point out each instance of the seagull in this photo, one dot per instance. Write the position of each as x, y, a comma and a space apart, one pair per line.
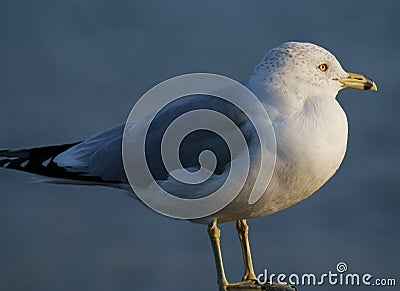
297, 83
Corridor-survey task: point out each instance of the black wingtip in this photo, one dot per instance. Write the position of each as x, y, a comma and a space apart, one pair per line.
40, 161
31, 160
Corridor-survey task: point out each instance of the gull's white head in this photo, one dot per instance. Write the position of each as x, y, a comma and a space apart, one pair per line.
295, 71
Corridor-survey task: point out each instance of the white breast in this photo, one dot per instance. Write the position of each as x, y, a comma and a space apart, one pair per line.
311, 144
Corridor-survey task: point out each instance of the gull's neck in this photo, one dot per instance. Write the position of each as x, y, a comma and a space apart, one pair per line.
279, 94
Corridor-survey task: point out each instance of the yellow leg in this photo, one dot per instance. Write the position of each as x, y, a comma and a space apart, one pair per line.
223, 284
215, 233
243, 232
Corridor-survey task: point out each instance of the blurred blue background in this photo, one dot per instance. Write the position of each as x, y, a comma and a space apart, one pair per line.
69, 69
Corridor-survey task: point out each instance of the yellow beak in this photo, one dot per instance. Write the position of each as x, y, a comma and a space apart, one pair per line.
359, 82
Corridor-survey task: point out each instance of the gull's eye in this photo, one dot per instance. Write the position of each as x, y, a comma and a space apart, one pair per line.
323, 67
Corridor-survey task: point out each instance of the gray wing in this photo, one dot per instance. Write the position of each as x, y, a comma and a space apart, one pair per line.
98, 159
